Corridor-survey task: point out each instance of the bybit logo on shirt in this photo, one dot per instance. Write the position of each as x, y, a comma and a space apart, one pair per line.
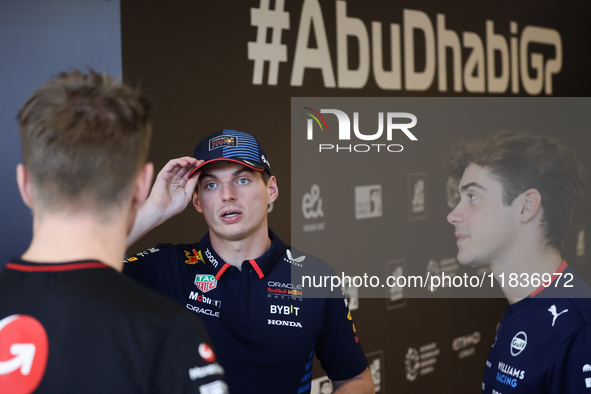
285, 310
344, 131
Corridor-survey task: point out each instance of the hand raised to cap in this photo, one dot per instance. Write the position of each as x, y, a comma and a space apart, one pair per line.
173, 189
170, 195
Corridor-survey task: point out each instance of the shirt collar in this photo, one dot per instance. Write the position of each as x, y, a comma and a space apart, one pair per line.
560, 270
262, 265
18, 264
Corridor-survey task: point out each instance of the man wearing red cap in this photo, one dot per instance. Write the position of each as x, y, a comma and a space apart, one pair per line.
238, 277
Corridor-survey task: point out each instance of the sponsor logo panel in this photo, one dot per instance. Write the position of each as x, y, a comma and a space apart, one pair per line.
284, 310
23, 350
210, 257
203, 311
351, 294
206, 300
217, 387
417, 196
206, 352
509, 375
312, 209
222, 141
377, 369
142, 254
395, 269
205, 282
422, 361
368, 201
297, 261
208, 370
465, 346
285, 323
194, 258
518, 343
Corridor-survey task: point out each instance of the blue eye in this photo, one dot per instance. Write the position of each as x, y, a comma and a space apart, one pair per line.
243, 181
210, 186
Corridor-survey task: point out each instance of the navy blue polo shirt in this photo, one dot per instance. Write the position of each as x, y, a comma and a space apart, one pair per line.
264, 329
543, 343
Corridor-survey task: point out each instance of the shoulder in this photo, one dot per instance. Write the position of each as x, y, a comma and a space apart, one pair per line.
165, 251
308, 263
312, 273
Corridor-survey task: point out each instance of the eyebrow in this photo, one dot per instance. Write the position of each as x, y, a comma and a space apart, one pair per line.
235, 173
468, 185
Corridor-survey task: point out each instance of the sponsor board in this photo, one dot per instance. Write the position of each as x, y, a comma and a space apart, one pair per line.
422, 361
377, 369
368, 201
312, 209
395, 269
417, 196
465, 346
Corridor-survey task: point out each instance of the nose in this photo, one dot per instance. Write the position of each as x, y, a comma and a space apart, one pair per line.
455, 215
228, 193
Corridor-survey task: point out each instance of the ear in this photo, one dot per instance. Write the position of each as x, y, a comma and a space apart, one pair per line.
273, 190
196, 202
24, 184
531, 204
143, 184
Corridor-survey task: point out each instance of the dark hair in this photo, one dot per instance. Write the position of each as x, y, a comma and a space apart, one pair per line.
522, 161
84, 138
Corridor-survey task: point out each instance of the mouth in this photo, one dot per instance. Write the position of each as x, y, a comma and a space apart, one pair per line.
460, 237
231, 215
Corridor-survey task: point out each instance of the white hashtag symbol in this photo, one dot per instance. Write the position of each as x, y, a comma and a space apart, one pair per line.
262, 51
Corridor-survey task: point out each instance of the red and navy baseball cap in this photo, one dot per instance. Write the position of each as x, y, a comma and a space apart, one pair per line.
232, 145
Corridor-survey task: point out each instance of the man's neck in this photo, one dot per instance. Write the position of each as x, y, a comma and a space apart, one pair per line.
527, 269
63, 237
234, 252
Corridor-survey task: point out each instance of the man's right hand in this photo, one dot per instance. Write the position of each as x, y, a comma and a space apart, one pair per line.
170, 195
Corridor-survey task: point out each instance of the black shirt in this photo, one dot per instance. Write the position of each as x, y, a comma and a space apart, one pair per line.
82, 327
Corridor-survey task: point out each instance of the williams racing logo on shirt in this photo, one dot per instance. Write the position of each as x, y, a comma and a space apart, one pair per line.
205, 283
195, 258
